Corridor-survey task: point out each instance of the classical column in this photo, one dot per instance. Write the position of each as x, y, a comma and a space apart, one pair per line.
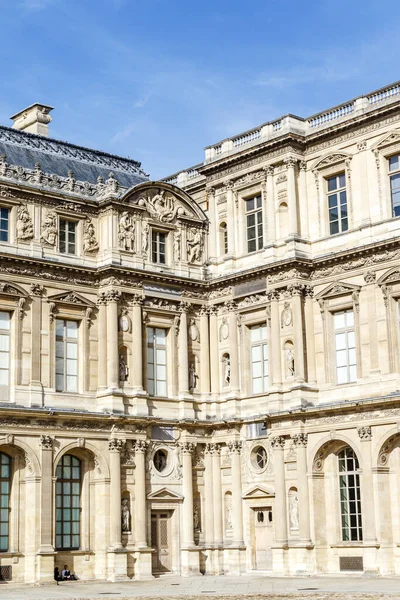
204, 352
112, 297
140, 493
278, 444
183, 360
36, 327
216, 462
209, 494
213, 224
368, 504
214, 356
230, 209
291, 163
137, 336
237, 517
187, 449
300, 441
271, 214
275, 339
303, 200
297, 303
310, 335
115, 446
102, 341
46, 503
233, 347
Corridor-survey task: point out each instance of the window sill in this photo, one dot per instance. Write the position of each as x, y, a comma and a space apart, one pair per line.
355, 545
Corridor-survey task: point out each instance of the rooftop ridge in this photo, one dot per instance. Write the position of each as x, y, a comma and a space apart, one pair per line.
60, 147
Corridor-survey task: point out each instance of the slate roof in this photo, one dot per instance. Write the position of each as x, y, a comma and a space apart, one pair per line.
56, 157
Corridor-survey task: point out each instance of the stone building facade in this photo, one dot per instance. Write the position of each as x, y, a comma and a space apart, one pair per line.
202, 374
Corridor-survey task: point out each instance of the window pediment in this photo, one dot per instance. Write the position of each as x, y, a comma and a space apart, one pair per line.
337, 289
13, 290
165, 494
258, 492
389, 139
71, 298
330, 160
391, 276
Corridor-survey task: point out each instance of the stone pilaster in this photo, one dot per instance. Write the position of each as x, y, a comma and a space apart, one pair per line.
291, 164
233, 348
230, 205
300, 442
102, 345
368, 502
271, 213
214, 354
204, 352
237, 512
189, 552
115, 447
278, 445
112, 297
297, 304
275, 339
46, 549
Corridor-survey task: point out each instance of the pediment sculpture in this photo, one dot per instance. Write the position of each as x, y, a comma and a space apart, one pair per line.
161, 205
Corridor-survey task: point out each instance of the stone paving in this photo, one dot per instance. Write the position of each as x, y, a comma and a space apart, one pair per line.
223, 587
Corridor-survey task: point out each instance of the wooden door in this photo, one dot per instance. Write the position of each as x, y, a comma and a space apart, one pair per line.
160, 542
263, 538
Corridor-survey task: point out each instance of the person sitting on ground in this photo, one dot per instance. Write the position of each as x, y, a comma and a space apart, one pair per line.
57, 575
66, 574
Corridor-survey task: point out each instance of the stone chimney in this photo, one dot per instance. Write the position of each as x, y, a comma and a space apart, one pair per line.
34, 119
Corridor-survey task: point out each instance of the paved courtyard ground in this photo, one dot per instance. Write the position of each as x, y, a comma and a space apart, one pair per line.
206, 588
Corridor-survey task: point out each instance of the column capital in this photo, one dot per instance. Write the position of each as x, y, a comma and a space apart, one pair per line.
212, 448
140, 446
184, 306
308, 291
36, 289
230, 305
136, 300
278, 442
300, 439
273, 296
235, 447
269, 171
112, 296
296, 289
187, 447
290, 162
229, 185
365, 433
303, 165
210, 191
46, 442
101, 299
204, 311
116, 445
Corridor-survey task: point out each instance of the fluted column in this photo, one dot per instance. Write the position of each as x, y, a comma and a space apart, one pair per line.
137, 336
36, 327
204, 352
310, 335
140, 494
115, 446
214, 356
237, 516
275, 339
183, 351
278, 445
367, 485
271, 213
230, 209
300, 441
209, 494
216, 462
112, 339
303, 200
187, 449
233, 347
213, 224
292, 195
46, 501
102, 343
297, 303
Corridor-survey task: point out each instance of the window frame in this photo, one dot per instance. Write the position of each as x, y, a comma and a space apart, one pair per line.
153, 388
155, 247
66, 340
346, 330
348, 477
5, 499
60, 483
391, 175
263, 344
7, 219
223, 238
337, 191
67, 233
7, 334
258, 225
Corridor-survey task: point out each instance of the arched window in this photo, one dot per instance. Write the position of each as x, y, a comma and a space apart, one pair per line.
350, 498
68, 499
223, 238
5, 485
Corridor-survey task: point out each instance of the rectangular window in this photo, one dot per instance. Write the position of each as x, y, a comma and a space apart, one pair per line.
5, 322
4, 224
156, 361
5, 483
345, 346
259, 358
254, 224
337, 204
66, 356
158, 244
67, 237
394, 170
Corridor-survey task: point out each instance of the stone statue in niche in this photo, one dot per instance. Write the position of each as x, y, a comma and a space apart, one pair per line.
294, 512
227, 369
194, 245
229, 523
286, 316
90, 244
24, 225
123, 369
49, 231
177, 246
125, 515
196, 518
127, 232
290, 362
145, 237
193, 377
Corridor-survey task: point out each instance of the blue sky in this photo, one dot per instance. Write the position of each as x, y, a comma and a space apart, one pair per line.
157, 80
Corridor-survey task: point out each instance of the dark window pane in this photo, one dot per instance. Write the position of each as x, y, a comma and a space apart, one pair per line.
342, 180
331, 184
332, 200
